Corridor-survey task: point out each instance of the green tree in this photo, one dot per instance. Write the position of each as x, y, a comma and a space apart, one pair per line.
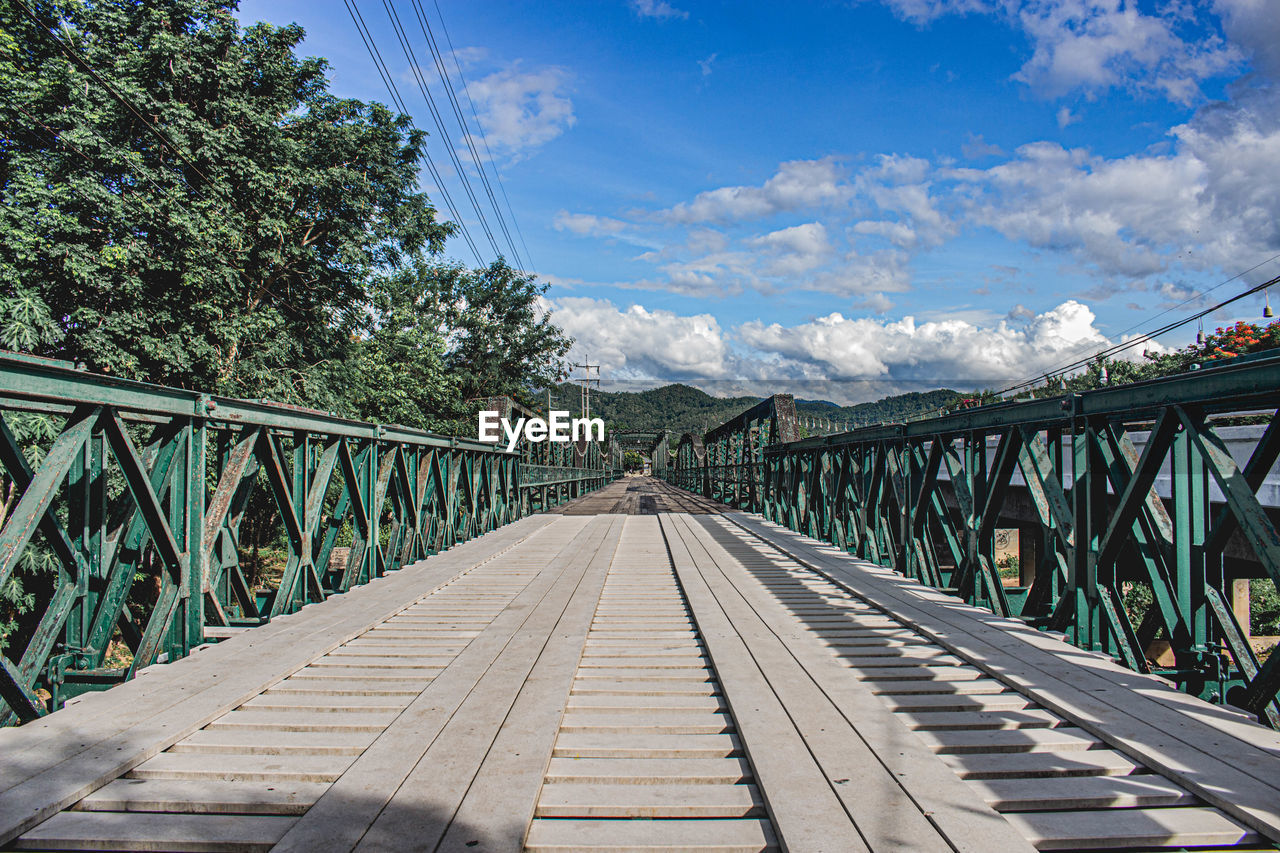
499, 340
398, 374
223, 236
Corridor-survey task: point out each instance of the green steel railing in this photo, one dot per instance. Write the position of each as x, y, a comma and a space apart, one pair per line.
141, 495
1139, 508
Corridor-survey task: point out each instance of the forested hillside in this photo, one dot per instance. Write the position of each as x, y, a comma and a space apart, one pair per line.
887, 409
682, 409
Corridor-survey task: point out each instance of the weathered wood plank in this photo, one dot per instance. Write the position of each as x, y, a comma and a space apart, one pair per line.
139, 831
106, 734
1154, 724
650, 801
805, 809
344, 814
896, 791
203, 797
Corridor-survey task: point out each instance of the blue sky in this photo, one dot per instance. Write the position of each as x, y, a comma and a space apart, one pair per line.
848, 199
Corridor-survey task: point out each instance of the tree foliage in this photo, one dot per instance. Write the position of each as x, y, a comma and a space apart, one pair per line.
499, 341
1221, 345
182, 200
681, 408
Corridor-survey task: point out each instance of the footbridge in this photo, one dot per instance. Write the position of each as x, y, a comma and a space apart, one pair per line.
786, 644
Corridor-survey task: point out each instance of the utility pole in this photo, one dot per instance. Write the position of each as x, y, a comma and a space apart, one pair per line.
587, 379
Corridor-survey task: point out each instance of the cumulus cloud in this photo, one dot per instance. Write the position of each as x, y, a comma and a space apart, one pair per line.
797, 185
1207, 200
1096, 45
1255, 26
1209, 203
953, 352
659, 9
718, 273
902, 186
587, 224
638, 343
521, 110
794, 250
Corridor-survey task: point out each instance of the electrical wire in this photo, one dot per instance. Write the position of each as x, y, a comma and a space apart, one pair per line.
366, 36
124, 102
1114, 348
468, 138
1195, 297
405, 45
497, 173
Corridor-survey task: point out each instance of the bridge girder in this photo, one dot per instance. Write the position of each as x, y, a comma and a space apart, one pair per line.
925, 499
140, 479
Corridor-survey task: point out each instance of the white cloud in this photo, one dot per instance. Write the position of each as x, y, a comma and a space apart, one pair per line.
876, 303
521, 110
718, 273
659, 9
1095, 45
836, 357
705, 64
807, 239
1066, 118
948, 352
878, 272
977, 148
1255, 25
898, 233
638, 343
795, 250
901, 186
1207, 200
587, 224
797, 185
469, 57
1211, 202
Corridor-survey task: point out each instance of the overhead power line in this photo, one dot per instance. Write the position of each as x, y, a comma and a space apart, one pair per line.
1115, 348
1190, 299
497, 173
415, 69
384, 72
81, 63
467, 137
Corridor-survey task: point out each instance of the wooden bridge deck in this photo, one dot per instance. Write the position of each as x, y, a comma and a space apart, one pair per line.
632, 681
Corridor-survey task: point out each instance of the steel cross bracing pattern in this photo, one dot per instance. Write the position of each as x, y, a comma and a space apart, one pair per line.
1151, 487
724, 464
669, 682
140, 497
654, 444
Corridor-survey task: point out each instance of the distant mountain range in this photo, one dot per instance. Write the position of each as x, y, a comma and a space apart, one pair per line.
680, 408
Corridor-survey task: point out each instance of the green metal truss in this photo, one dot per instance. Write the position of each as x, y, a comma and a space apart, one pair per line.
142, 496
725, 464
1078, 476
656, 444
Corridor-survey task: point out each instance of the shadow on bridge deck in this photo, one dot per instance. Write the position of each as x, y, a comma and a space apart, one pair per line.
1073, 750
640, 496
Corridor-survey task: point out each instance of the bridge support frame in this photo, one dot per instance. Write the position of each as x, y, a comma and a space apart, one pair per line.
129, 508
1142, 519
